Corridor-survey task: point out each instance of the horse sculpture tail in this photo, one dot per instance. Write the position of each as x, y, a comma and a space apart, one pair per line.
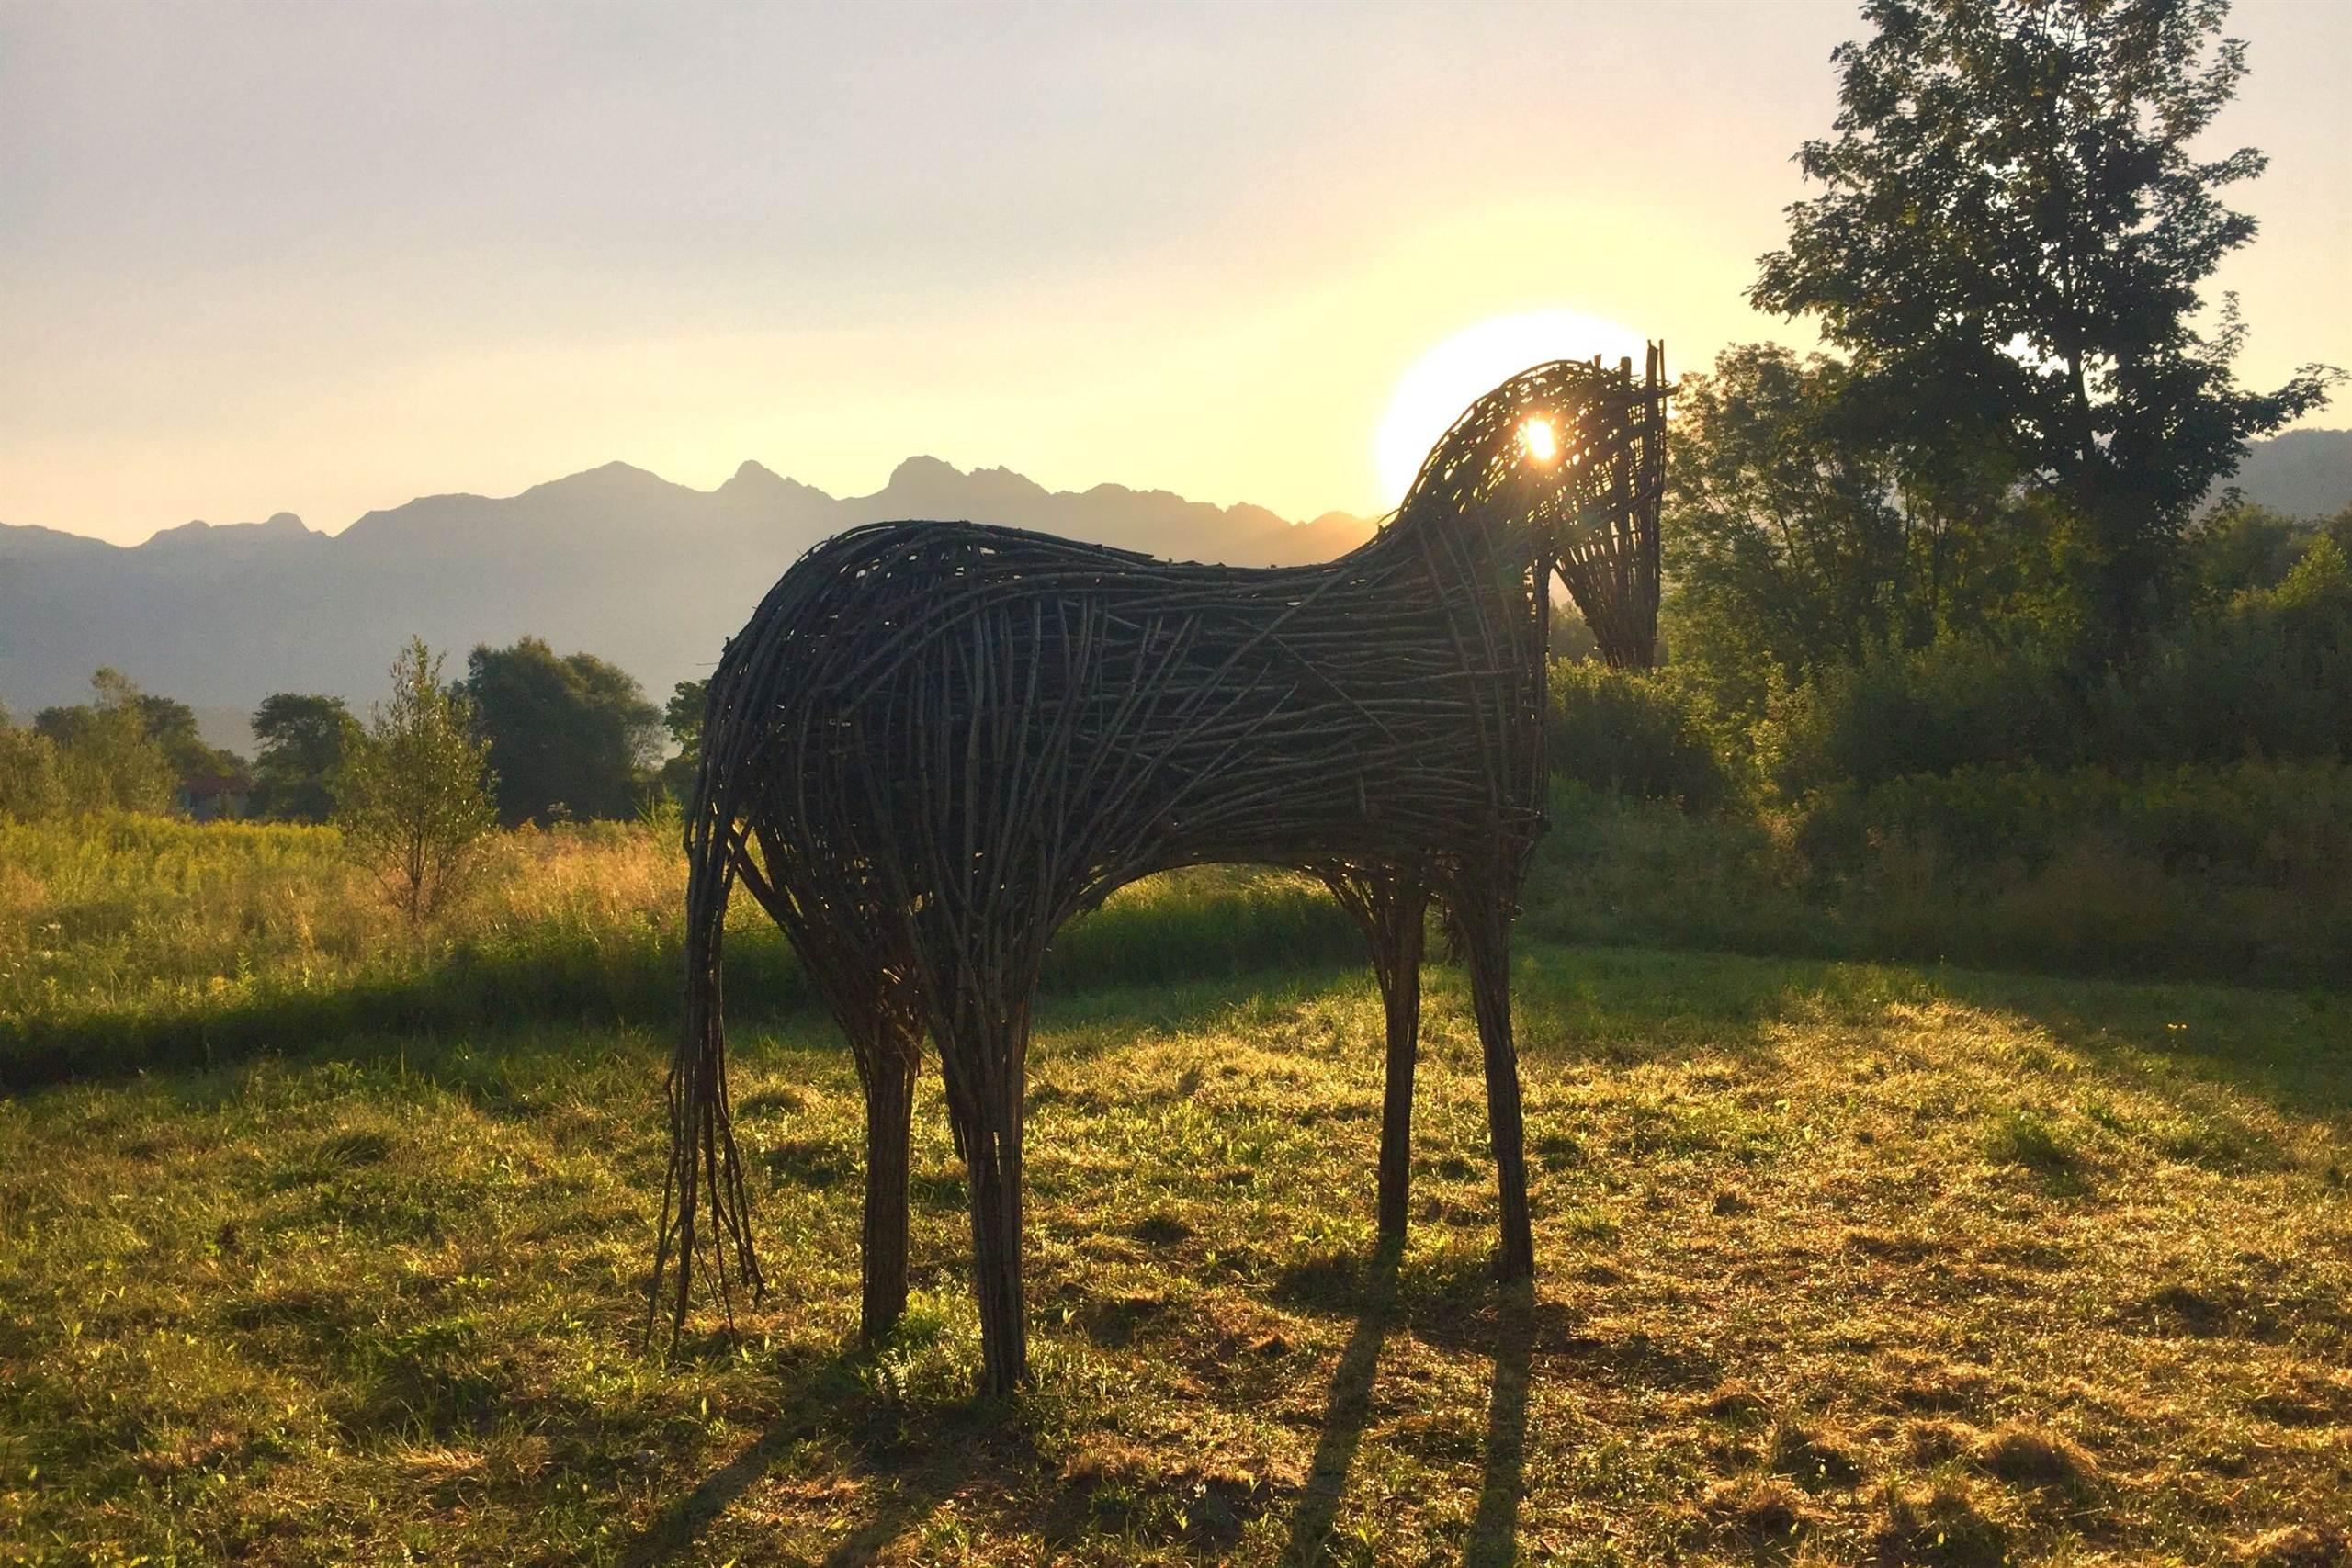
705, 1170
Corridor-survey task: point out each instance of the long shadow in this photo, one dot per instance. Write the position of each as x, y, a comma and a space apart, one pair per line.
1346, 1412
2293, 1050
1494, 1532
682, 1521
909, 1477
909, 1498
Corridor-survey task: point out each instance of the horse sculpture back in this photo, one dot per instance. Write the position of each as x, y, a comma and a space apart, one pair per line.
935, 742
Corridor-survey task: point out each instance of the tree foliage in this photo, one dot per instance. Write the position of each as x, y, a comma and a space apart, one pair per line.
2010, 244
1795, 543
129, 749
108, 755
570, 734
31, 788
171, 724
681, 716
412, 797
302, 740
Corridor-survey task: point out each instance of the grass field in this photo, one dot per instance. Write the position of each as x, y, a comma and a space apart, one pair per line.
1839, 1264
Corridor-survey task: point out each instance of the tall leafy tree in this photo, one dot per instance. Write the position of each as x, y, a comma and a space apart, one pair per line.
681, 716
1795, 542
29, 786
107, 756
302, 742
566, 731
2011, 240
412, 797
112, 765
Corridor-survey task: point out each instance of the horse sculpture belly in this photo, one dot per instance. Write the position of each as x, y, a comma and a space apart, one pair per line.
935, 742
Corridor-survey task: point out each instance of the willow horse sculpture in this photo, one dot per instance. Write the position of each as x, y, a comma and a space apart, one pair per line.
935, 742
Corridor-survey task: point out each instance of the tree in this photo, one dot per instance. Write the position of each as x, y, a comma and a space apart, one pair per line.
2011, 244
568, 735
29, 786
681, 716
113, 768
303, 739
412, 797
106, 757
1785, 549
1793, 543
171, 724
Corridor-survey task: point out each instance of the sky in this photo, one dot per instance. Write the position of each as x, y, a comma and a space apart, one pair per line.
322, 258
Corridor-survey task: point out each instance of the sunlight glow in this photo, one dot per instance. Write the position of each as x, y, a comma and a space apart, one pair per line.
1452, 374
1542, 442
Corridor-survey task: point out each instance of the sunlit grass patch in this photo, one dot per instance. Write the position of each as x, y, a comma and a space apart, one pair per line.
1811, 1289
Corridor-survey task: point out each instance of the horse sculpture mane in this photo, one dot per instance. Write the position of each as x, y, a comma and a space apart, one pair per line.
935, 742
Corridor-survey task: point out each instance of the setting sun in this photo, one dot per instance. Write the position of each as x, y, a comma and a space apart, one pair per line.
1446, 379
1542, 442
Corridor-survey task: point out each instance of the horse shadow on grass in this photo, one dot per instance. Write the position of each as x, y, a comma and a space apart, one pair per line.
982, 1447
1382, 1305
908, 1477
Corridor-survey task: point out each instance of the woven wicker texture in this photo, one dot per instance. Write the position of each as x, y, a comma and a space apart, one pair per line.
935, 742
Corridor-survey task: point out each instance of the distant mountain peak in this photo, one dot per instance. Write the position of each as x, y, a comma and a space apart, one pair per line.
615, 478
922, 468
2303, 473
755, 481
924, 486
279, 525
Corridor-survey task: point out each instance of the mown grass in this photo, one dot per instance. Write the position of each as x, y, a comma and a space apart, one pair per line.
1840, 1264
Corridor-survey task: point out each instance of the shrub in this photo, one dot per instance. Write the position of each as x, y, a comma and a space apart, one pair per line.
413, 796
2257, 822
1634, 734
2269, 676
30, 787
106, 758
1959, 702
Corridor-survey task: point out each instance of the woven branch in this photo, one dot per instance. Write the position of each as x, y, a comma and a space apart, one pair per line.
935, 742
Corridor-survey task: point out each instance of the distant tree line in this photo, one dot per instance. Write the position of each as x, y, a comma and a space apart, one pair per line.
565, 737
124, 749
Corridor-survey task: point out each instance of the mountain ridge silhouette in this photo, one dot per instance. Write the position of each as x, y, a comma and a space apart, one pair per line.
616, 560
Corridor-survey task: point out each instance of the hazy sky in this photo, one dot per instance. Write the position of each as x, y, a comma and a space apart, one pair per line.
323, 258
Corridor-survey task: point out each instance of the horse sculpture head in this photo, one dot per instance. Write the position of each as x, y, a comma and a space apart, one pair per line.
1569, 458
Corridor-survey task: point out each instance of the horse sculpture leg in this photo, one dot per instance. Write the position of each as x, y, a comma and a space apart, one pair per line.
1390, 911
984, 1069
1485, 929
887, 1068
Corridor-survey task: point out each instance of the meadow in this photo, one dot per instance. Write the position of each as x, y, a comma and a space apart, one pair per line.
320, 1241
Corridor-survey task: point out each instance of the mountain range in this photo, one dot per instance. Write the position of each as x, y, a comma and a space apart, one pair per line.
620, 562
649, 575
2304, 473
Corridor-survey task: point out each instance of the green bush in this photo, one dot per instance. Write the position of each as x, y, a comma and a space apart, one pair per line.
1959, 702
2269, 676
1636, 734
29, 786
2270, 824
1618, 870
